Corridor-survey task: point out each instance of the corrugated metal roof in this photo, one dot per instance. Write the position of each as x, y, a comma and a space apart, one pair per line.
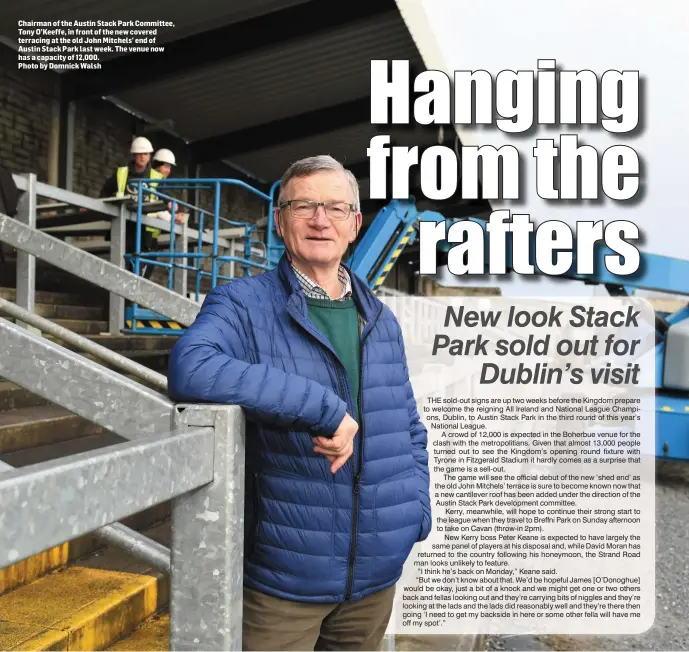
276, 82
346, 145
189, 17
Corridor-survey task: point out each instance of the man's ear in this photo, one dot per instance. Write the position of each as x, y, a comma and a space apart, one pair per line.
357, 227
276, 219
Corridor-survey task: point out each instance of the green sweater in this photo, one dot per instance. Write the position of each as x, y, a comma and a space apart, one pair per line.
338, 322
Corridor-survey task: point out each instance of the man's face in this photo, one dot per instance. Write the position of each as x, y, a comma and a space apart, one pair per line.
319, 240
141, 161
165, 169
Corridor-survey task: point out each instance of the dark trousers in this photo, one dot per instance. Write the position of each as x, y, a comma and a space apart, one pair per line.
148, 243
271, 623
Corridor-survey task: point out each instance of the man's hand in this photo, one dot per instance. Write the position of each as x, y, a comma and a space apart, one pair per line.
341, 447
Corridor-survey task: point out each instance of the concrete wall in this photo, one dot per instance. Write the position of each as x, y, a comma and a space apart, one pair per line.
25, 117
102, 133
236, 203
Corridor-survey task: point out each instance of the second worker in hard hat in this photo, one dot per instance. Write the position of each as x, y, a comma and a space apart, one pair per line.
117, 186
163, 162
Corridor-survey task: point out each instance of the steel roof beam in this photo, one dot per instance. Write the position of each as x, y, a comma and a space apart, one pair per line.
276, 132
238, 39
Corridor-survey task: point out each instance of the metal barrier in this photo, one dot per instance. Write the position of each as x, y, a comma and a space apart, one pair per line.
113, 215
234, 246
192, 455
274, 244
253, 253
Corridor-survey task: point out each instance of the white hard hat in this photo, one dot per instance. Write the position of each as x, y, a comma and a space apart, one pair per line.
141, 145
164, 156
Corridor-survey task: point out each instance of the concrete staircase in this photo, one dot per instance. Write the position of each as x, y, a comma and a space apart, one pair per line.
81, 595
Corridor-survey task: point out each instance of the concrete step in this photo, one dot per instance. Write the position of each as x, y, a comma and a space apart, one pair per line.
30, 435
52, 279
87, 605
36, 566
153, 634
29, 427
82, 327
57, 312
13, 397
154, 360
54, 298
57, 557
60, 449
125, 343
149, 351
79, 326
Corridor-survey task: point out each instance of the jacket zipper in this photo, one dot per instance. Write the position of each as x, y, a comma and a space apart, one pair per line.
257, 509
357, 475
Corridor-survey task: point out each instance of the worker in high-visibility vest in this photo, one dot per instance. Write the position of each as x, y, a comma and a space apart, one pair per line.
138, 168
117, 186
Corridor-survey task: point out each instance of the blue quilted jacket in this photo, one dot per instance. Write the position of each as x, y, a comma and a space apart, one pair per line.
311, 535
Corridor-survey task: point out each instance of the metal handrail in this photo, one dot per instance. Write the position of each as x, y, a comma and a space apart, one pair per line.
103, 396
199, 465
153, 190
99, 272
50, 484
117, 534
83, 343
104, 208
179, 261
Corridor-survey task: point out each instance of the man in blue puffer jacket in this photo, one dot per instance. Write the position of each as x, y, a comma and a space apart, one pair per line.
337, 469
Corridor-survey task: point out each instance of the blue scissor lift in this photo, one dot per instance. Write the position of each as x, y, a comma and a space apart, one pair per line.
395, 227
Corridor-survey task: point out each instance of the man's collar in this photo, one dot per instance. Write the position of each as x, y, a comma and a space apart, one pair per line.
314, 290
367, 303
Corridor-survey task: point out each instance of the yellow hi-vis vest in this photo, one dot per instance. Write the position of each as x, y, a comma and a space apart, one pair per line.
123, 175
